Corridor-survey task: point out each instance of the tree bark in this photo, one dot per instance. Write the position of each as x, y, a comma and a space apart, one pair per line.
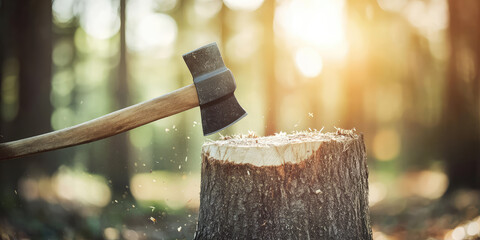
306, 185
460, 131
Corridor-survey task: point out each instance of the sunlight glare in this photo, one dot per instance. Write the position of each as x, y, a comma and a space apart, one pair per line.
315, 23
309, 62
207, 8
377, 235
100, 18
243, 5
431, 184
62, 10
392, 5
164, 189
427, 16
111, 233
458, 233
473, 229
69, 187
151, 31
81, 187
427, 184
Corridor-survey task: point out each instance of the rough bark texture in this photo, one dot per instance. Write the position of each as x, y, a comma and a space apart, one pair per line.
322, 197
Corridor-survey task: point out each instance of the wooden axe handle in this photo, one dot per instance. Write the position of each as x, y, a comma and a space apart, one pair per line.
105, 126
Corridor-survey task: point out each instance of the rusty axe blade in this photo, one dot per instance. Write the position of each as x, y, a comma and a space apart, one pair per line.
215, 86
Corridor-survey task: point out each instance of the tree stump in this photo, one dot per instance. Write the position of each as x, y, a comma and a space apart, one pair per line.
307, 185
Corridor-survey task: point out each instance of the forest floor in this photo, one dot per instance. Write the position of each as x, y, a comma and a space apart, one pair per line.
455, 216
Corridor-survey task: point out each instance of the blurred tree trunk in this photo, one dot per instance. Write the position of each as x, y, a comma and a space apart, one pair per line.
4, 29
27, 37
461, 130
118, 165
271, 88
5, 53
34, 37
355, 72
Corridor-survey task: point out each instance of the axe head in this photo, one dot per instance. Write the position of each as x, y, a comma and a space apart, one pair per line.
215, 87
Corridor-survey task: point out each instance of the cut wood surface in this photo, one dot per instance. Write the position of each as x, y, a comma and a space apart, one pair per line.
306, 185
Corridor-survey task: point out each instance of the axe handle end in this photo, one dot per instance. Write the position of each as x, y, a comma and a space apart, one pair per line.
105, 126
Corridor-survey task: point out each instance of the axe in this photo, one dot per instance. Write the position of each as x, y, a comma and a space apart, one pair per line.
212, 89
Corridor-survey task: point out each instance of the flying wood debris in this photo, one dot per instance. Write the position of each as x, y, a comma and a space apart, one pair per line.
251, 134
252, 137
346, 132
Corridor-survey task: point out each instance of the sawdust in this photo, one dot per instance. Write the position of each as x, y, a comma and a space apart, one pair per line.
282, 138
346, 132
